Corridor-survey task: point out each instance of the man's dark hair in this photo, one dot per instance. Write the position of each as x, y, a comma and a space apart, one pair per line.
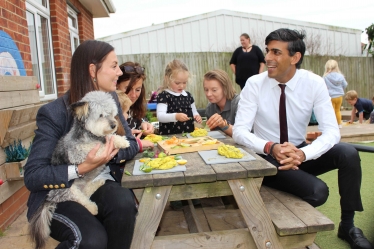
294, 39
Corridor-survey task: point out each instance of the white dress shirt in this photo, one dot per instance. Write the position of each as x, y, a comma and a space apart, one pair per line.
162, 108
259, 108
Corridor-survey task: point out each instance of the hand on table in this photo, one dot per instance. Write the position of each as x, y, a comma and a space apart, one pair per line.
215, 121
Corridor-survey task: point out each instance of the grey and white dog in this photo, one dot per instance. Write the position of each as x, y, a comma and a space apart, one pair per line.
94, 120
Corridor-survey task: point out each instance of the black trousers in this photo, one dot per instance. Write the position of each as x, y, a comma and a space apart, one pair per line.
75, 227
304, 183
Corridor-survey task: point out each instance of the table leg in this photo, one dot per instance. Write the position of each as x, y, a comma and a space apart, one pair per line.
254, 212
151, 208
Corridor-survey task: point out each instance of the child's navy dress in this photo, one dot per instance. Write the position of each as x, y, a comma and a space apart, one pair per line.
176, 104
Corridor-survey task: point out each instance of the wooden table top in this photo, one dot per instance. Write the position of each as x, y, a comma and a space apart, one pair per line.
200, 172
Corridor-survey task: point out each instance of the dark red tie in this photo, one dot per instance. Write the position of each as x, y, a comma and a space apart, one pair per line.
283, 115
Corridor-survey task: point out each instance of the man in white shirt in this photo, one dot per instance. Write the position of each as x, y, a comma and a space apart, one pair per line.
298, 163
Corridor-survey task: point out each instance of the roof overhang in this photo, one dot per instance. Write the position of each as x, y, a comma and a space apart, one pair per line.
99, 8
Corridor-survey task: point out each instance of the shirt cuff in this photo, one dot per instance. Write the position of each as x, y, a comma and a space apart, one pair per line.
71, 172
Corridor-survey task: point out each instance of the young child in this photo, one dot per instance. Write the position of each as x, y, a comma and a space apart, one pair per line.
176, 110
361, 107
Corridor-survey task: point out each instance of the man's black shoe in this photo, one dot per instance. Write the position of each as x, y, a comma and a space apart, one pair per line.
355, 237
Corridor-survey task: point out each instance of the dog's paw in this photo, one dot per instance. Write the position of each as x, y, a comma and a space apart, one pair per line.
120, 142
92, 208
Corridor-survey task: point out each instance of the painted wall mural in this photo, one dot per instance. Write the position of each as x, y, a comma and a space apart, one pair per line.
11, 62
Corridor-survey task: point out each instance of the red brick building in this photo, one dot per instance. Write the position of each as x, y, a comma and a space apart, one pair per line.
37, 38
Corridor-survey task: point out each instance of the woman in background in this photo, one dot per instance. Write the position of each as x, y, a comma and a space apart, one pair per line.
246, 61
131, 83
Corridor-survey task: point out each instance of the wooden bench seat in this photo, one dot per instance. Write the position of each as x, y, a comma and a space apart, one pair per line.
295, 221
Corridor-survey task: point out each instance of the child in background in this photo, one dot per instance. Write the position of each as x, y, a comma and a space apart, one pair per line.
176, 110
336, 84
361, 107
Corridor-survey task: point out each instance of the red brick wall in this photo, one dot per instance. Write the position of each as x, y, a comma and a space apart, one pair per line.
61, 38
13, 22
13, 207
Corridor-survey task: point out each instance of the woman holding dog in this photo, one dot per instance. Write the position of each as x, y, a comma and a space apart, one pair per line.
94, 66
131, 83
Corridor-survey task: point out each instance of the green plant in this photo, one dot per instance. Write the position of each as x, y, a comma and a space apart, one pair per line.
149, 115
16, 152
370, 33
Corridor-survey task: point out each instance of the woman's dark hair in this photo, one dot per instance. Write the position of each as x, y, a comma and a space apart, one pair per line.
138, 109
294, 39
88, 52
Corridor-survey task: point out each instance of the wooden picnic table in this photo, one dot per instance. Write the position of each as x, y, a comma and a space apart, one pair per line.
241, 179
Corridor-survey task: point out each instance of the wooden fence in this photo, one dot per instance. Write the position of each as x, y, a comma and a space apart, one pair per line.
359, 71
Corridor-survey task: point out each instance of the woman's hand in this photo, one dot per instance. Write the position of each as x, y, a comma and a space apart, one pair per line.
215, 121
182, 117
198, 119
147, 128
137, 133
147, 144
93, 160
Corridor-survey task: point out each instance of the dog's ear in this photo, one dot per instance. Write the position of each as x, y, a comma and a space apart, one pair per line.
80, 110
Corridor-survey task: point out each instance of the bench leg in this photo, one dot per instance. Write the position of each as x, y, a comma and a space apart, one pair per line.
254, 212
151, 208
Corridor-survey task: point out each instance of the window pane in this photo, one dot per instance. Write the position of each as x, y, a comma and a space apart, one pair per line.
44, 48
76, 43
42, 2
72, 22
33, 48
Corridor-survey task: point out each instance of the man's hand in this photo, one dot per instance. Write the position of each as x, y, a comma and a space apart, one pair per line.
288, 156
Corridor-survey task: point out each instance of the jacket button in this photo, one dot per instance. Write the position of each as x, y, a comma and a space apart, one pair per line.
56, 186
114, 173
45, 186
51, 186
62, 185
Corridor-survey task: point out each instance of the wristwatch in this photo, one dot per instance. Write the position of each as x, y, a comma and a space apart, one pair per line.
76, 171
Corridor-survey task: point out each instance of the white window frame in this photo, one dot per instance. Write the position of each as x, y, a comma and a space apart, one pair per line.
38, 9
74, 33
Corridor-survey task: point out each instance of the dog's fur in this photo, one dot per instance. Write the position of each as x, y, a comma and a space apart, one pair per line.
94, 120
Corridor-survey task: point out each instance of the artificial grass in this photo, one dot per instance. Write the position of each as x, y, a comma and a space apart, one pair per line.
363, 220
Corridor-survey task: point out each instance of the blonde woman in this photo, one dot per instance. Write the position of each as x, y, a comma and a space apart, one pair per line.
223, 101
336, 84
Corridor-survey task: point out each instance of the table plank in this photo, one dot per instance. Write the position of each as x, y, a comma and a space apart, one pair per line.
199, 190
174, 178
228, 171
259, 167
150, 213
197, 170
254, 213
